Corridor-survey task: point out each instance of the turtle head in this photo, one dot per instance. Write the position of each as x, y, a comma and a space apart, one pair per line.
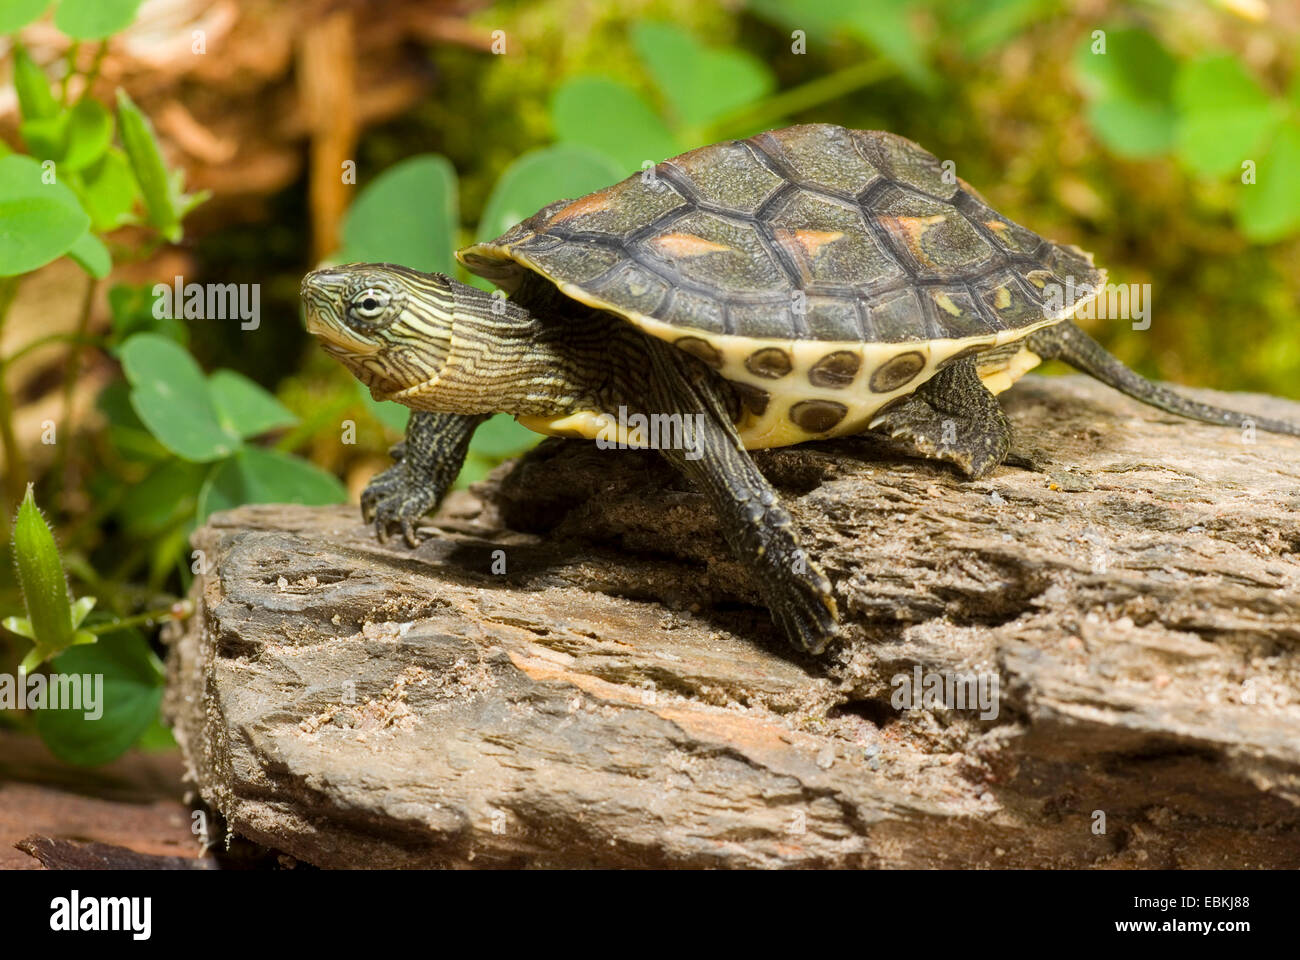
390, 325
431, 342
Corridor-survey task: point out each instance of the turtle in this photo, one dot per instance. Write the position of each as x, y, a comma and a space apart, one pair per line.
805, 283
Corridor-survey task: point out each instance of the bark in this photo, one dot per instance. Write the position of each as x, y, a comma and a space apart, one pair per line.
615, 696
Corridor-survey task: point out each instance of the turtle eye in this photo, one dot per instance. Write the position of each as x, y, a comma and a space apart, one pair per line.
370, 307
370, 303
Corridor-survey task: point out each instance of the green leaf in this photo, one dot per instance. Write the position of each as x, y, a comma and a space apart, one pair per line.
80, 609
91, 255
496, 440
130, 438
147, 163
1270, 207
1224, 115
19, 625
128, 700
39, 221
474, 470
43, 582
16, 14
94, 19
46, 137
255, 475
388, 412
162, 498
132, 310
108, 191
408, 215
157, 738
1131, 86
34, 231
701, 84
35, 98
884, 25
245, 408
90, 130
612, 119
170, 395
983, 27
502, 437
1135, 66
22, 176
540, 177
1132, 128
186, 202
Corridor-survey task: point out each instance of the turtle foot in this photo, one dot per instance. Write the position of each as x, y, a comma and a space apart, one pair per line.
392, 502
806, 611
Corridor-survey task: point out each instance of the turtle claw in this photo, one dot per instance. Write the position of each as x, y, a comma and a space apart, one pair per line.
392, 502
809, 626
382, 485
409, 533
808, 614
1024, 461
427, 462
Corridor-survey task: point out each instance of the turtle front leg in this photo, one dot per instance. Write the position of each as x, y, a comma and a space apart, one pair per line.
759, 530
427, 463
952, 417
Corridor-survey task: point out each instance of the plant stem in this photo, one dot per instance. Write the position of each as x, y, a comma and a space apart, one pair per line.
79, 569
43, 341
65, 466
797, 99
180, 610
15, 468
95, 65
72, 68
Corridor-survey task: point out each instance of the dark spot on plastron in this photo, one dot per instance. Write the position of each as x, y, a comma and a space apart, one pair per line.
754, 399
769, 363
818, 416
897, 372
701, 349
835, 369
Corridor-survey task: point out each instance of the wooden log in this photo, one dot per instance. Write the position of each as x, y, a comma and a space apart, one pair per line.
50, 812
572, 670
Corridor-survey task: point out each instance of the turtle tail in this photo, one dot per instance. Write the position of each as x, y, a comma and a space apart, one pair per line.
1066, 342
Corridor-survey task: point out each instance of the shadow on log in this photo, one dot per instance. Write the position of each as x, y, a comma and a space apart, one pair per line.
572, 671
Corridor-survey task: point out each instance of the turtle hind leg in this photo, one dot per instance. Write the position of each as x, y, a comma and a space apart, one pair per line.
758, 529
952, 417
1066, 342
427, 463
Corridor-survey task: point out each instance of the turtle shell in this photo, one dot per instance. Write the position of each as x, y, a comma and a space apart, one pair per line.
823, 271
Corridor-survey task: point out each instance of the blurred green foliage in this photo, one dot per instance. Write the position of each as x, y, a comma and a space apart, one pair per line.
1208, 111
1163, 136
89, 171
